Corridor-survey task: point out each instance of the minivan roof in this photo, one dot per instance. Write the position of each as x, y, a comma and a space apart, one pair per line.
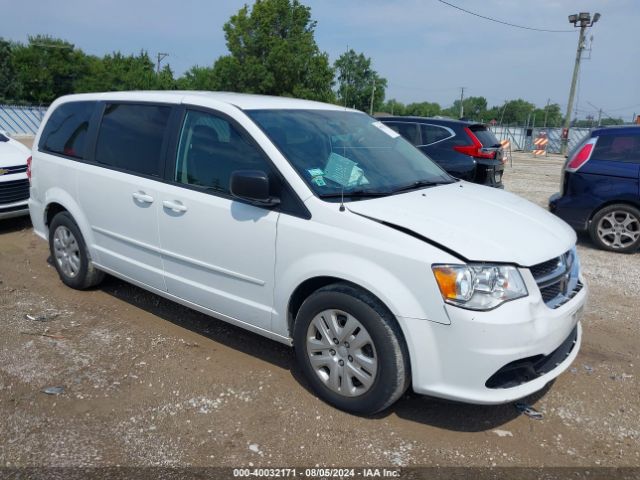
243, 101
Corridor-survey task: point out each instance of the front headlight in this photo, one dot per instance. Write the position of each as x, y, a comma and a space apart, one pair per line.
479, 286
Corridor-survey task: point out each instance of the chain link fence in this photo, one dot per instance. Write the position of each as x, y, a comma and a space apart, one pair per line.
522, 138
21, 119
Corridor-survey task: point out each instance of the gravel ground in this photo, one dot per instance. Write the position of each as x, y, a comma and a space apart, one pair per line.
147, 382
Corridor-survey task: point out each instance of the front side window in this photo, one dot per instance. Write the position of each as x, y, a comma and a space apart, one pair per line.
210, 150
66, 130
130, 137
342, 152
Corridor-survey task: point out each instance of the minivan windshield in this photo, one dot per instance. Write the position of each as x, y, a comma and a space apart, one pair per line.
348, 153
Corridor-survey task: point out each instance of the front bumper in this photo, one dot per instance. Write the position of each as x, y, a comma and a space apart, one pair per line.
16, 209
456, 361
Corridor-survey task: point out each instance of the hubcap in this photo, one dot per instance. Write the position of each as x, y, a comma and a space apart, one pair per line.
619, 229
66, 251
342, 353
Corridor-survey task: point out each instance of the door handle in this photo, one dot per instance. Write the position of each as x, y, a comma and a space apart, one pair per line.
176, 206
142, 197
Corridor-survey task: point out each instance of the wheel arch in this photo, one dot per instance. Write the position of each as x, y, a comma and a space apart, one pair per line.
313, 284
58, 200
608, 203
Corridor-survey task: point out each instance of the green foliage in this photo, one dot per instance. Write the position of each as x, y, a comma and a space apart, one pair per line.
516, 111
272, 50
474, 108
423, 109
357, 81
120, 72
46, 68
592, 121
550, 116
197, 78
8, 84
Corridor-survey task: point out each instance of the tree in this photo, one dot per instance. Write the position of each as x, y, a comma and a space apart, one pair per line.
47, 68
475, 108
165, 80
272, 50
8, 84
120, 72
393, 107
197, 78
517, 111
552, 113
423, 109
357, 81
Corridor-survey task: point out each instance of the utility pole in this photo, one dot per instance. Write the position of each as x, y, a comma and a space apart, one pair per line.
373, 91
599, 112
583, 20
461, 100
160, 57
546, 112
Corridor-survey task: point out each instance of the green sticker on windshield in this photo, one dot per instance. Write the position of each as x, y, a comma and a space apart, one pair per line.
316, 176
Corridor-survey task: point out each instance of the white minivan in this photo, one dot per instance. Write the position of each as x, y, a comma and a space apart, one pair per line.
316, 226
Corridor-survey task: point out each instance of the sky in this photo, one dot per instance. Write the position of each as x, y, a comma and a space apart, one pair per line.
425, 49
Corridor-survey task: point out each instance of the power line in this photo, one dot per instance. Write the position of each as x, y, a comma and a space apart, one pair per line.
503, 22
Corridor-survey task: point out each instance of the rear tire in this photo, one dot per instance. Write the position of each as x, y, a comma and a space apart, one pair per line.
616, 228
70, 255
351, 349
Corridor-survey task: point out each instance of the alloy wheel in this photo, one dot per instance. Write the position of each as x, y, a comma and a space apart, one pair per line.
618, 229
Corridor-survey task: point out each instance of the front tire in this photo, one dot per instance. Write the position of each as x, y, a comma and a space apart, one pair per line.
351, 349
616, 228
70, 255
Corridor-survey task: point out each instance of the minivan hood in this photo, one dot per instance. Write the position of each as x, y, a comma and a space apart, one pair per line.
478, 223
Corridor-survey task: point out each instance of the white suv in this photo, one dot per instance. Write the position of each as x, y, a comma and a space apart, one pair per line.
318, 227
14, 186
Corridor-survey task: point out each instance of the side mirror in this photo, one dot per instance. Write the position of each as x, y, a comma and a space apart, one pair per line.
252, 186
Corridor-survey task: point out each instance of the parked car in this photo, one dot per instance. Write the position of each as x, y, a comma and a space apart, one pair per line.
466, 150
318, 227
14, 186
600, 188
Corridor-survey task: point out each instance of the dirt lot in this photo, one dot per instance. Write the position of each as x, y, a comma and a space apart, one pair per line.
147, 382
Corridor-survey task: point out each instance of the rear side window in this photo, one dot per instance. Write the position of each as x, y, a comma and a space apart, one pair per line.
618, 148
486, 137
410, 131
432, 134
130, 137
66, 131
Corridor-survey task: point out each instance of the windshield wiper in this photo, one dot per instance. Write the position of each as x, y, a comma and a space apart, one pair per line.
419, 184
355, 194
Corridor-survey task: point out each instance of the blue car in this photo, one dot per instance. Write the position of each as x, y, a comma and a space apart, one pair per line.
600, 188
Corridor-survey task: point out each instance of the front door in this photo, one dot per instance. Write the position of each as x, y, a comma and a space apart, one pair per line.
218, 252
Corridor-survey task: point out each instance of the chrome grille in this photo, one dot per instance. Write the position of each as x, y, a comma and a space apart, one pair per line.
12, 170
558, 279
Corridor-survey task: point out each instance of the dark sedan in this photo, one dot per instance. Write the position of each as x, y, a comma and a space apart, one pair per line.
466, 150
